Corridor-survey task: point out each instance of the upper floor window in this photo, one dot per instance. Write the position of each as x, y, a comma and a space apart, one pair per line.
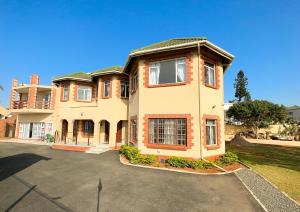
209, 74
124, 89
106, 88
133, 130
84, 93
211, 132
65, 93
134, 82
168, 71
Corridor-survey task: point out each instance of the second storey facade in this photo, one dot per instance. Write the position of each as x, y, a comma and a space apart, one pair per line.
167, 101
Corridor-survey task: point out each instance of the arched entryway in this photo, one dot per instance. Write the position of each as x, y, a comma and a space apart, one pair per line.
121, 133
104, 132
64, 130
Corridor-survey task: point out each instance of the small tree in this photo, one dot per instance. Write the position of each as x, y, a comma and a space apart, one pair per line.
240, 86
257, 114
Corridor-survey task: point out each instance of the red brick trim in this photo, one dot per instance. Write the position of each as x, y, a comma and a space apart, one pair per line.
188, 59
32, 92
131, 119
84, 84
190, 131
34, 79
217, 72
62, 92
70, 148
211, 117
102, 88
53, 98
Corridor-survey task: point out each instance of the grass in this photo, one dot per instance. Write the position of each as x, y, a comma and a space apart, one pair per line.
280, 165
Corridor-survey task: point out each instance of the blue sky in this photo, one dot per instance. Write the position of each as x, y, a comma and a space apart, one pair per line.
51, 38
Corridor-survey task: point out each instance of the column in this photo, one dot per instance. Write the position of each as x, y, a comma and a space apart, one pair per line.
112, 134
70, 130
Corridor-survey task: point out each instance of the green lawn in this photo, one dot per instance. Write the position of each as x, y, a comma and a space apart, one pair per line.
280, 165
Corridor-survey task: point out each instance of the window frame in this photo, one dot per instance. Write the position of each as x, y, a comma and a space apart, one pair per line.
85, 87
211, 127
126, 89
158, 127
106, 86
214, 84
64, 86
217, 119
133, 130
176, 59
134, 82
103, 88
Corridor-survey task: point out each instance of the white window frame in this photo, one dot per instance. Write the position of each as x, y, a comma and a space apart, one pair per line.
86, 89
65, 92
157, 64
211, 80
126, 88
211, 128
107, 86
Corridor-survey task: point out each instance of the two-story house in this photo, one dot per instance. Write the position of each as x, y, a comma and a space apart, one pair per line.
167, 100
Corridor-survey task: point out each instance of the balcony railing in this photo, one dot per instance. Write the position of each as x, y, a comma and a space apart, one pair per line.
42, 104
21, 104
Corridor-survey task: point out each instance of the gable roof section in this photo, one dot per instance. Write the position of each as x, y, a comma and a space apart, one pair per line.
178, 43
108, 70
294, 107
169, 43
78, 76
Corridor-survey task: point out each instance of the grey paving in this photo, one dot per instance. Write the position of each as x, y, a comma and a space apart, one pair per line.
63, 180
269, 196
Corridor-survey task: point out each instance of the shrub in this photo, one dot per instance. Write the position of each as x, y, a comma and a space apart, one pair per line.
196, 164
144, 159
134, 156
227, 159
178, 162
130, 152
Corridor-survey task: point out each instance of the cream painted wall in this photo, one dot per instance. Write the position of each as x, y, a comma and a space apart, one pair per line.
182, 99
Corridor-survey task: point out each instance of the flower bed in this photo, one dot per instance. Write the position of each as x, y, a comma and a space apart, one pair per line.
229, 161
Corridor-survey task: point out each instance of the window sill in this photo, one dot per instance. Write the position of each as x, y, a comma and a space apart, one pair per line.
83, 101
167, 84
212, 147
167, 146
211, 86
106, 97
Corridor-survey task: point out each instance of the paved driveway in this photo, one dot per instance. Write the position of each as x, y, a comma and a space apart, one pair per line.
36, 178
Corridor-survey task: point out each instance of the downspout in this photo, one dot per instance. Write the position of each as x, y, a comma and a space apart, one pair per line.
199, 83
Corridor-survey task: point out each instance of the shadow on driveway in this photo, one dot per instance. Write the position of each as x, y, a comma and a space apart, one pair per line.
13, 164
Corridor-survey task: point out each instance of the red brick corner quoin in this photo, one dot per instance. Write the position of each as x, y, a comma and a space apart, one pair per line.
211, 117
190, 131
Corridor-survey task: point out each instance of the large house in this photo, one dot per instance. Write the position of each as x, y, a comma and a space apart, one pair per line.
167, 100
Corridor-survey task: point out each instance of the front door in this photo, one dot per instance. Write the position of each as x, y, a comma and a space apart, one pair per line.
119, 132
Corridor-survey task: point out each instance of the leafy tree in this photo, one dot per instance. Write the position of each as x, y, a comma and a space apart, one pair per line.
240, 86
257, 114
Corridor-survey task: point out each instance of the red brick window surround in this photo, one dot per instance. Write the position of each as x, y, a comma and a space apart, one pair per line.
106, 88
180, 62
133, 129
178, 129
207, 65
65, 92
211, 131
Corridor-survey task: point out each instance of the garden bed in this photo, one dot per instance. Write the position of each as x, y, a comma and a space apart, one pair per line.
228, 162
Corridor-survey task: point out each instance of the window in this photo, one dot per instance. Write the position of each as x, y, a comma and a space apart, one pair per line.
168, 131
133, 131
134, 82
209, 74
65, 94
84, 93
124, 89
107, 88
211, 132
88, 128
169, 71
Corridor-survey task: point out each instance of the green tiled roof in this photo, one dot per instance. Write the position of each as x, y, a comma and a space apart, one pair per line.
169, 43
295, 107
117, 69
77, 75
